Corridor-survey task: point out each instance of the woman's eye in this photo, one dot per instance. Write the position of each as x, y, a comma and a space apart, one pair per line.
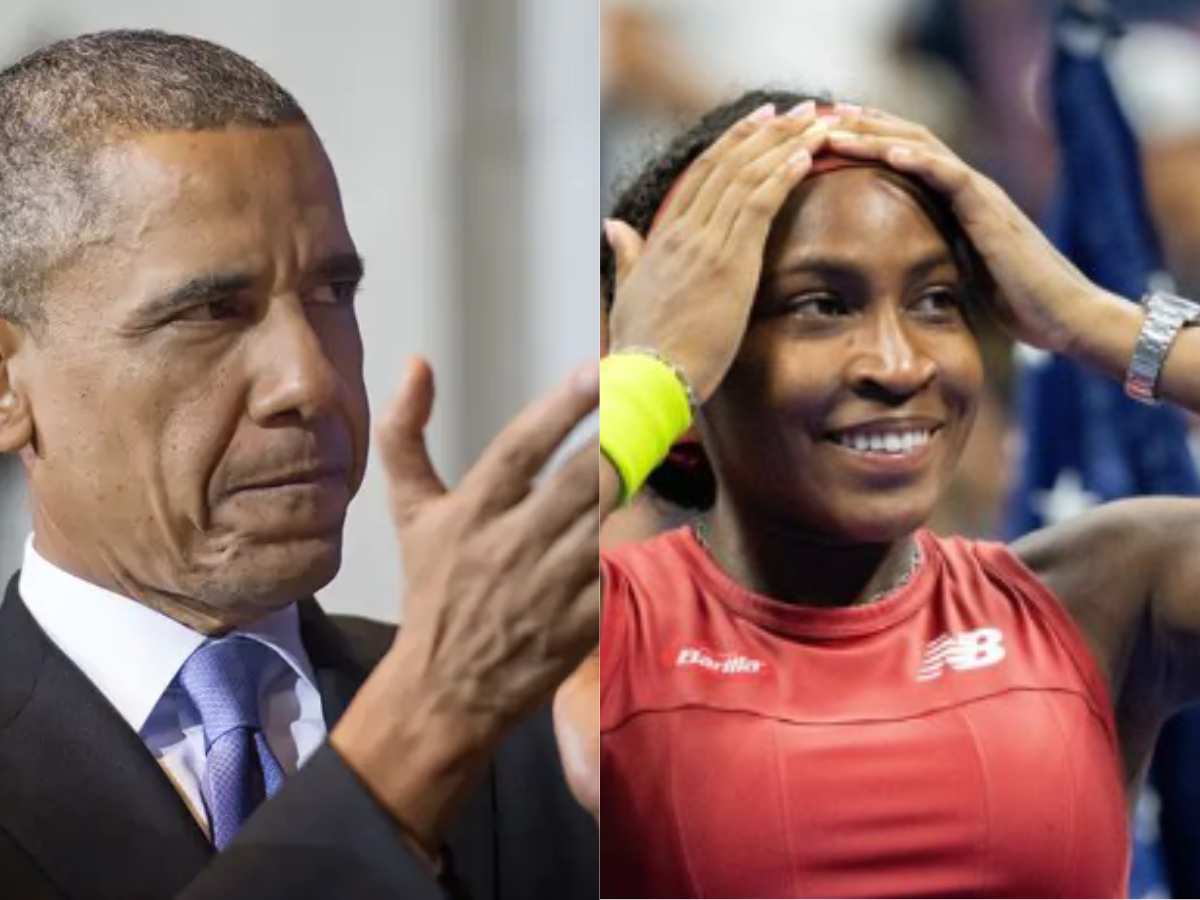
816, 306
938, 302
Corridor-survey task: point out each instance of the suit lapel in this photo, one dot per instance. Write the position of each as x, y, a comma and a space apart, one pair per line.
78, 789
339, 666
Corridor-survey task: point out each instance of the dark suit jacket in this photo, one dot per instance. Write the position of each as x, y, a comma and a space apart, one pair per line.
86, 812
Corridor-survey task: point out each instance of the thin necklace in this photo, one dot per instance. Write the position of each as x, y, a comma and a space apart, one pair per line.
700, 530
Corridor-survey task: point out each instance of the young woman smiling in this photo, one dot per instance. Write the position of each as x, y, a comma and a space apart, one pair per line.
804, 692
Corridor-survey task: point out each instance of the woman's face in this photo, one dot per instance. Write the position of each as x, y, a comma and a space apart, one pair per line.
855, 387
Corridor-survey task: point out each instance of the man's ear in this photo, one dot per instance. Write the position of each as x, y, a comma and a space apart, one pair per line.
16, 417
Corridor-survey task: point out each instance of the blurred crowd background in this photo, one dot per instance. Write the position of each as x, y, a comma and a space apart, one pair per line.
467, 163
979, 73
974, 71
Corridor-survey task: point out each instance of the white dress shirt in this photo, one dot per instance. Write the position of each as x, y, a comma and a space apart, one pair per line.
132, 654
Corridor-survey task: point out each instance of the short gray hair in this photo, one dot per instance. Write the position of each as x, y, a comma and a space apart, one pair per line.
60, 105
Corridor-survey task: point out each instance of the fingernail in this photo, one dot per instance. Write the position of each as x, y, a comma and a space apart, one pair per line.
848, 109
609, 232
899, 154
586, 378
842, 135
801, 110
827, 121
764, 112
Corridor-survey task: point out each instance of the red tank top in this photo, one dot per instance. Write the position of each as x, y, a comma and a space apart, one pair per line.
953, 738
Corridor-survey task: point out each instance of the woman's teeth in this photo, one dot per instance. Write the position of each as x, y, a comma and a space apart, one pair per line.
895, 442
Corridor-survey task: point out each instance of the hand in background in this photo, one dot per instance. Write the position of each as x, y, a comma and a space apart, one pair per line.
577, 727
643, 67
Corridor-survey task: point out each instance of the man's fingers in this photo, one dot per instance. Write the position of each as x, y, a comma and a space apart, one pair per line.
626, 245
583, 618
573, 560
561, 574
401, 437
576, 627
569, 492
508, 465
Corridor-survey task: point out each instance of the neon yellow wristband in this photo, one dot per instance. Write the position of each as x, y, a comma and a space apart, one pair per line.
643, 409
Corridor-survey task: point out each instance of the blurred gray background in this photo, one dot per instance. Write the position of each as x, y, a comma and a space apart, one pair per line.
466, 139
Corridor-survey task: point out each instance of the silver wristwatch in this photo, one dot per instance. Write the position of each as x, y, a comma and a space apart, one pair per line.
1165, 315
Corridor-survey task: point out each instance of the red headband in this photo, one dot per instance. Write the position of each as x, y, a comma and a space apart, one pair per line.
825, 161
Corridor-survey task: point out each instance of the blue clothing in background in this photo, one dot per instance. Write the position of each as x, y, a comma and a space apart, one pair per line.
1085, 442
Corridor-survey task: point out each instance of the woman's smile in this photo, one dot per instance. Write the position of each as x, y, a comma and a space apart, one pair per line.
892, 446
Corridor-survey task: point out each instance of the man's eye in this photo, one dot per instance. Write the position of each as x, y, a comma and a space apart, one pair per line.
217, 310
336, 293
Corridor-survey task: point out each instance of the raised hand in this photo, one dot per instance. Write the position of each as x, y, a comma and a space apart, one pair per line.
501, 604
1041, 297
686, 291
500, 600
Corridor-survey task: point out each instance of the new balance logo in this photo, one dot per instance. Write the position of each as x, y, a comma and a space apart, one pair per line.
969, 650
720, 663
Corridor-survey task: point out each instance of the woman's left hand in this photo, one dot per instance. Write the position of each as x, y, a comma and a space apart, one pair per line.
1041, 297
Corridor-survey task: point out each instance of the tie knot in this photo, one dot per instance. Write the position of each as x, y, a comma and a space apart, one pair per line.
222, 679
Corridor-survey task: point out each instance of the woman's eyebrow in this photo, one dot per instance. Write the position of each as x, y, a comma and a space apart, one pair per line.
833, 264
829, 265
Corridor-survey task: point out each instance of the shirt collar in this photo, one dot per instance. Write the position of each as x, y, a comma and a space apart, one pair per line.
130, 651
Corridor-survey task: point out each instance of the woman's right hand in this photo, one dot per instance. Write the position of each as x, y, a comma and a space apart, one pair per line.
686, 291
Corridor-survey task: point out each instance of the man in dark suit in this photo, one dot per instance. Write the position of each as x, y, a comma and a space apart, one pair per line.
181, 378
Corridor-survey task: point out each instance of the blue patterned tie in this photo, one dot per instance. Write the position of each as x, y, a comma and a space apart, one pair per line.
222, 679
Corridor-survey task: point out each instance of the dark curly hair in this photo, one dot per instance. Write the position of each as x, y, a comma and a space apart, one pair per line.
685, 478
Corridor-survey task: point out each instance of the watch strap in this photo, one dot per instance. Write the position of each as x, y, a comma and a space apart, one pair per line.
1165, 315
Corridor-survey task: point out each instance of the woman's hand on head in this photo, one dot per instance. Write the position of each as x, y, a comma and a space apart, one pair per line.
1040, 296
686, 291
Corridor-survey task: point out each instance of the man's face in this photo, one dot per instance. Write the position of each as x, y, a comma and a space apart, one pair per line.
200, 419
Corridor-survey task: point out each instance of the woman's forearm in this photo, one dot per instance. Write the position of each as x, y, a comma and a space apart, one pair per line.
1103, 335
